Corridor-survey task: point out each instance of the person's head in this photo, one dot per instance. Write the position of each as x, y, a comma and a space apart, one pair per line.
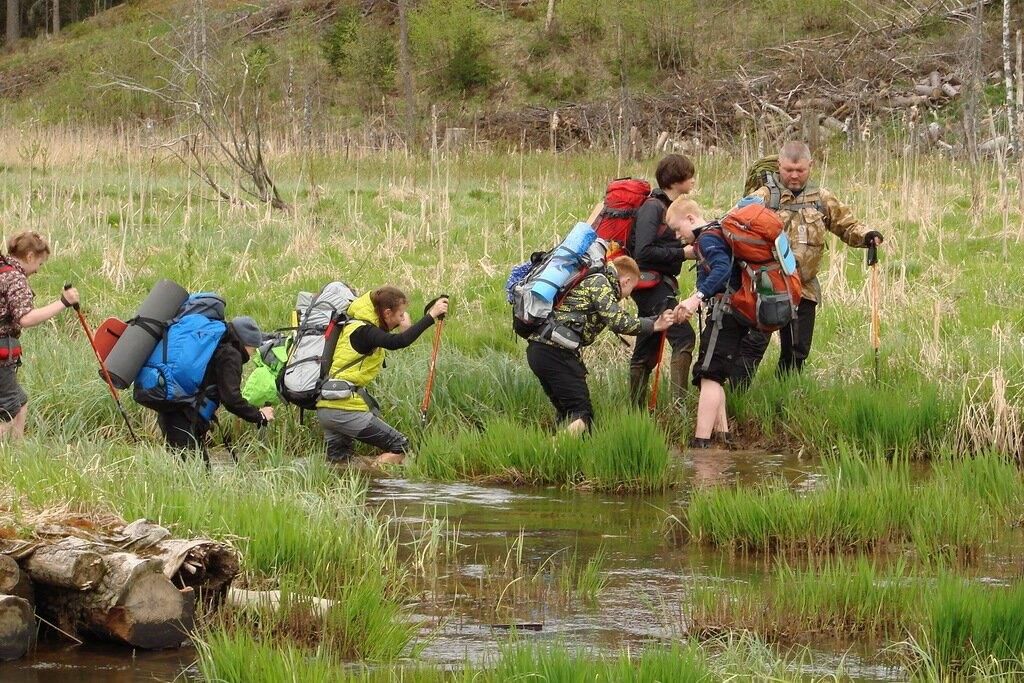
248, 332
629, 274
795, 165
390, 304
683, 217
675, 175
30, 249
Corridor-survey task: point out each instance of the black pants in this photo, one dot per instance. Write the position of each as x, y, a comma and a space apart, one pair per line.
680, 336
564, 379
184, 431
795, 347
730, 336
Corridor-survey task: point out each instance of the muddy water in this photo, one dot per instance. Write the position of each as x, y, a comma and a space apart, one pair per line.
517, 545
516, 548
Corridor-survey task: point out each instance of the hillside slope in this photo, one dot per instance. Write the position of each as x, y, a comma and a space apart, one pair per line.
677, 65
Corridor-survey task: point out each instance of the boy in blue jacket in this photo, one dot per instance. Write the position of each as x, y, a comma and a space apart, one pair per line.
720, 340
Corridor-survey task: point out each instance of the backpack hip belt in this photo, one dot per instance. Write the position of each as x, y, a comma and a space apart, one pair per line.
10, 349
649, 279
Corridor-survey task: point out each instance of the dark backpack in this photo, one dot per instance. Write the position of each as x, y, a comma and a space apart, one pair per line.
173, 375
622, 199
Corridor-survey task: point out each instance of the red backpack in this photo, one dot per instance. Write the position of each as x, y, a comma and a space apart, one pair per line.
622, 199
767, 298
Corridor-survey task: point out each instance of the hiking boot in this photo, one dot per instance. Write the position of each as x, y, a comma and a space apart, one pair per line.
680, 373
700, 444
638, 376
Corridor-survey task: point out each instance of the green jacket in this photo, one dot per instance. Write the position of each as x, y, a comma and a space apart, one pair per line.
593, 305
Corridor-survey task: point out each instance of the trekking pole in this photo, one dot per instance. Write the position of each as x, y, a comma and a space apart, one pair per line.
876, 320
652, 401
425, 405
103, 368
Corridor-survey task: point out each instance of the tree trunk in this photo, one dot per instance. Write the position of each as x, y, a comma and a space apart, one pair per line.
13, 22
72, 563
10, 574
1011, 115
405, 66
56, 17
17, 626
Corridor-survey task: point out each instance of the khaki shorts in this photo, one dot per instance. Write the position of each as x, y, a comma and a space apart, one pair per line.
12, 396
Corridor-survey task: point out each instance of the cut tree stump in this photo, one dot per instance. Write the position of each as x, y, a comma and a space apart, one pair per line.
17, 626
134, 604
70, 563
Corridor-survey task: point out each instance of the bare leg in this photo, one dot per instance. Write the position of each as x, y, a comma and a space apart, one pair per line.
14, 429
576, 427
710, 404
722, 424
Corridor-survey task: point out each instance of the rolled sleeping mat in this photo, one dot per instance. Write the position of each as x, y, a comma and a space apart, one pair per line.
143, 332
565, 262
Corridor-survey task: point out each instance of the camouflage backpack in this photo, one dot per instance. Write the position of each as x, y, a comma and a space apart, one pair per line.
759, 174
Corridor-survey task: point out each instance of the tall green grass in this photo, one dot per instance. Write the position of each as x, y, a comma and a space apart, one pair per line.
864, 503
625, 452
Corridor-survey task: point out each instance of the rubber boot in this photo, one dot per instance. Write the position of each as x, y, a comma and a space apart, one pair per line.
680, 373
638, 376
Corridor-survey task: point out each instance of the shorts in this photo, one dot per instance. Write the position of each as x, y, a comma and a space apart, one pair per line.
725, 354
12, 396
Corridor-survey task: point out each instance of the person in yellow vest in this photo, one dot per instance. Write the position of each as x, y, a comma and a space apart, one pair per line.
379, 322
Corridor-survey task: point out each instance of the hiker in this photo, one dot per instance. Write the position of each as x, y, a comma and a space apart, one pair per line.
717, 272
807, 212
659, 254
588, 308
26, 254
185, 427
378, 321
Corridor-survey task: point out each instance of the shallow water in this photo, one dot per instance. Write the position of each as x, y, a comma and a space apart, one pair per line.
514, 546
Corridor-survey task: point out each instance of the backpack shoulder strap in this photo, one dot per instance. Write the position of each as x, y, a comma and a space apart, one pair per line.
774, 192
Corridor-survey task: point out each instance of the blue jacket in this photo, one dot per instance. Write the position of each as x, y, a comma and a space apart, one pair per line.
716, 267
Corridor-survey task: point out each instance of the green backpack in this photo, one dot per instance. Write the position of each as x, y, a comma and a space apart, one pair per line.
261, 386
759, 173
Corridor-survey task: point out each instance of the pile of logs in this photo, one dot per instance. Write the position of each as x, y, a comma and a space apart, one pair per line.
133, 585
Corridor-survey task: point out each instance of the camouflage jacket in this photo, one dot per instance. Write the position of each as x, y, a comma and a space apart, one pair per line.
593, 305
807, 218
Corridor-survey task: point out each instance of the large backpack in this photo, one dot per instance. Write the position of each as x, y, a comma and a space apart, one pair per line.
316, 338
764, 173
768, 296
172, 376
622, 199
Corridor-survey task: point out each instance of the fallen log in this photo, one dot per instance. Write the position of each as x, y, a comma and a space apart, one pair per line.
134, 604
17, 626
10, 574
70, 563
239, 597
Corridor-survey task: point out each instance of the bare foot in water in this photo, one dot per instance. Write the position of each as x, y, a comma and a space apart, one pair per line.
389, 459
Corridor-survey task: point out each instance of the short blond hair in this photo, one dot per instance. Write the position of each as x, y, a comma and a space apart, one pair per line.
682, 206
625, 265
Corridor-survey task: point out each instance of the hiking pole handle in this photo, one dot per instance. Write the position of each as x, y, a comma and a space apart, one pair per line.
872, 253
67, 286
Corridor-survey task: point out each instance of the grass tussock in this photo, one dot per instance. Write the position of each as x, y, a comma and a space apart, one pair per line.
625, 452
864, 503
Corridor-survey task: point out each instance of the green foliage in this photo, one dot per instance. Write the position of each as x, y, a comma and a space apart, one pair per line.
363, 50
452, 41
625, 452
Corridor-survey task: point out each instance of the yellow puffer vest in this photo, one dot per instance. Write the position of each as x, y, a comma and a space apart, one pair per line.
361, 369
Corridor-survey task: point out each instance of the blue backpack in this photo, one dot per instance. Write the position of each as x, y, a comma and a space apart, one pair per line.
173, 374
